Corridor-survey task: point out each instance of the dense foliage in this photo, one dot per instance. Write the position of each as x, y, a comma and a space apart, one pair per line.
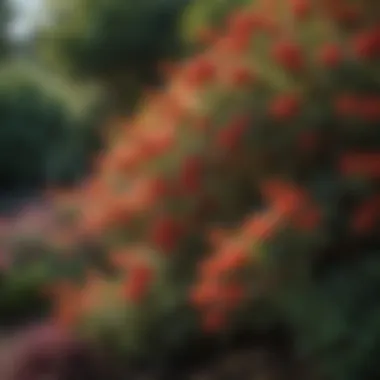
220, 204
4, 20
44, 138
116, 42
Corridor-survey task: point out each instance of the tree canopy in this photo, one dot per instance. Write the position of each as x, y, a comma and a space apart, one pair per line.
117, 42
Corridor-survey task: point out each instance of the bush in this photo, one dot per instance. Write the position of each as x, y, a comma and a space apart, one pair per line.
40, 131
219, 201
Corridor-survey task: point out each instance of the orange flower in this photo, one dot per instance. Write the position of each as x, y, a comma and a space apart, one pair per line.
138, 282
288, 54
200, 71
205, 293
242, 24
232, 45
210, 268
93, 221
217, 237
232, 256
91, 293
190, 178
239, 76
230, 137
260, 226
207, 36
301, 8
66, 304
124, 158
157, 142
330, 55
366, 45
165, 233
284, 198
125, 257
285, 107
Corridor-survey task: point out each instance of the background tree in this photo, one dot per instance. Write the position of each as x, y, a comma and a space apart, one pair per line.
41, 117
201, 16
117, 42
4, 18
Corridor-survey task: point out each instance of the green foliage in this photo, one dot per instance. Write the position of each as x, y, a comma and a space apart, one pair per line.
115, 41
238, 176
336, 319
217, 202
4, 20
206, 14
41, 123
21, 299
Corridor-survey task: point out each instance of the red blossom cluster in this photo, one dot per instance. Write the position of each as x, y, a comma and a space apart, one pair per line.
233, 117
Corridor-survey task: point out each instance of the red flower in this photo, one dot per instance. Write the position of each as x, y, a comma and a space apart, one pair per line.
207, 36
285, 107
241, 76
230, 137
230, 44
210, 268
242, 24
260, 226
301, 8
205, 294
330, 55
191, 174
138, 282
367, 45
285, 198
165, 233
233, 256
160, 187
200, 71
288, 55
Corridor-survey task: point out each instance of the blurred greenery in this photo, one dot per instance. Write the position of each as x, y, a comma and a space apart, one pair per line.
4, 19
43, 127
91, 60
94, 59
337, 320
20, 295
50, 115
202, 14
119, 43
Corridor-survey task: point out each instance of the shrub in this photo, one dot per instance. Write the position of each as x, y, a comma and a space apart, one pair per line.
41, 128
219, 200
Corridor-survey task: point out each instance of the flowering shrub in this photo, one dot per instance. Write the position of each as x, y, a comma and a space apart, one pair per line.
216, 200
